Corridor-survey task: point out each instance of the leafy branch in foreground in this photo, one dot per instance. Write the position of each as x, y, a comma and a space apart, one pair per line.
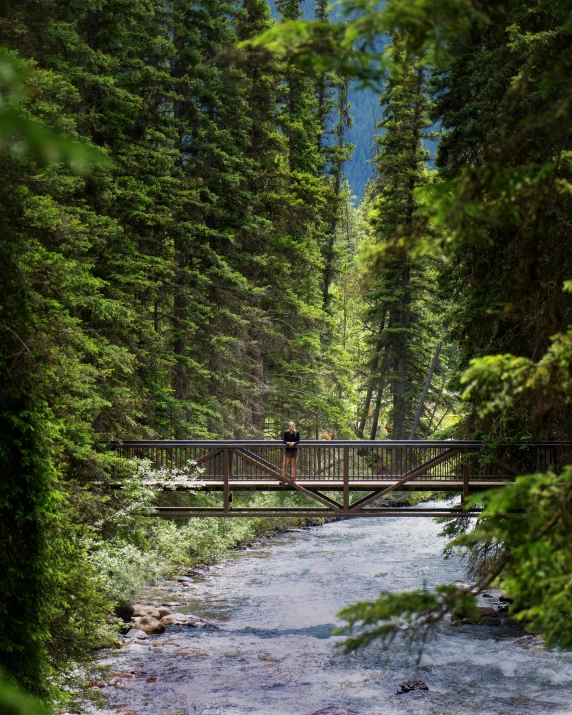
24, 134
412, 615
354, 46
14, 701
532, 519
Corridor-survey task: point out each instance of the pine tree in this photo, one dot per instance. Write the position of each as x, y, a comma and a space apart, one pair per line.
397, 316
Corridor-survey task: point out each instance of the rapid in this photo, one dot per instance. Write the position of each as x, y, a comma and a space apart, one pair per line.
276, 604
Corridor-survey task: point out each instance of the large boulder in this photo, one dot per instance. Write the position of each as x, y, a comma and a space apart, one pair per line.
149, 625
140, 611
125, 611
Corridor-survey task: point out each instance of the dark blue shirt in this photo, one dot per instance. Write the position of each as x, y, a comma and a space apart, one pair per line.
289, 437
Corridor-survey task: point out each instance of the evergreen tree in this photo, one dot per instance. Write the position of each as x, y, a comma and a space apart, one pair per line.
399, 298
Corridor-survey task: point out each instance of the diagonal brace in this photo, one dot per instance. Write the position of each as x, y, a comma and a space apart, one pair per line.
411, 474
365, 499
329, 499
208, 455
326, 501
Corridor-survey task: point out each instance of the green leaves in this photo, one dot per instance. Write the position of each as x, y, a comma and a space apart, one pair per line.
354, 48
24, 134
13, 701
411, 616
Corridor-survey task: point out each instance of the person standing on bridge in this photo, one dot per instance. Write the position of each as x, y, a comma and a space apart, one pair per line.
291, 439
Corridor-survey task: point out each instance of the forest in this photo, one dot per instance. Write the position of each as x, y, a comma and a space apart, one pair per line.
183, 257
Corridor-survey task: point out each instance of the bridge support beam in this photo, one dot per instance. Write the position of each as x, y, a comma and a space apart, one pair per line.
227, 466
370, 468
301, 512
466, 486
346, 479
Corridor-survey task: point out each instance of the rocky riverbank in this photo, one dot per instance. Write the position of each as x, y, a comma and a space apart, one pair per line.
272, 646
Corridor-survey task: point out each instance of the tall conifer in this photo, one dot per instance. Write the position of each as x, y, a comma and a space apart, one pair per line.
396, 314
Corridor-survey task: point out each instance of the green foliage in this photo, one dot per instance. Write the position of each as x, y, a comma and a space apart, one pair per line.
504, 383
531, 519
412, 616
498, 213
15, 702
25, 134
402, 313
165, 212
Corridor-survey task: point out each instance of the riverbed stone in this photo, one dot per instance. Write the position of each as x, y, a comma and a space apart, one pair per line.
510, 621
150, 625
163, 611
461, 621
179, 619
140, 610
486, 612
125, 611
136, 634
409, 685
207, 626
490, 621
335, 710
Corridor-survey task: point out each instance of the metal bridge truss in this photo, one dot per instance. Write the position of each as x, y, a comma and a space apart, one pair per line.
373, 469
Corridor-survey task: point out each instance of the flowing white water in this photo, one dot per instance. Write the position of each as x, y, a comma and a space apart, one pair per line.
276, 605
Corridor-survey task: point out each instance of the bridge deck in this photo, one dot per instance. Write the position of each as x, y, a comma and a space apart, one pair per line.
345, 467
333, 485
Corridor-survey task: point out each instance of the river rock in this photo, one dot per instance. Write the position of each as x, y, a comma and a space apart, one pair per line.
504, 598
140, 611
179, 619
461, 621
486, 612
135, 633
125, 611
490, 621
335, 710
163, 611
408, 685
150, 625
206, 626
510, 621
529, 641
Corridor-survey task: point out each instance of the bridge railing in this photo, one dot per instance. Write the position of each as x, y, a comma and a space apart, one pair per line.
352, 460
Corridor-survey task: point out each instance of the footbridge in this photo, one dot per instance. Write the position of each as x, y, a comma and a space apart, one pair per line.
340, 478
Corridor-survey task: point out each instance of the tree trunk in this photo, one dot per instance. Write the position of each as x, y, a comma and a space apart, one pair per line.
401, 356
421, 405
372, 378
380, 391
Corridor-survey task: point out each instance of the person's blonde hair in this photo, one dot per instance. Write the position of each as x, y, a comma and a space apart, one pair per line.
292, 423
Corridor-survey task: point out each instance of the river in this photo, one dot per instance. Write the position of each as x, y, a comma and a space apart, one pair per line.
275, 654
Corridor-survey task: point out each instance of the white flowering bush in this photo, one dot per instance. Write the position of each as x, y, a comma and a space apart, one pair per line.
123, 568
140, 489
128, 549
